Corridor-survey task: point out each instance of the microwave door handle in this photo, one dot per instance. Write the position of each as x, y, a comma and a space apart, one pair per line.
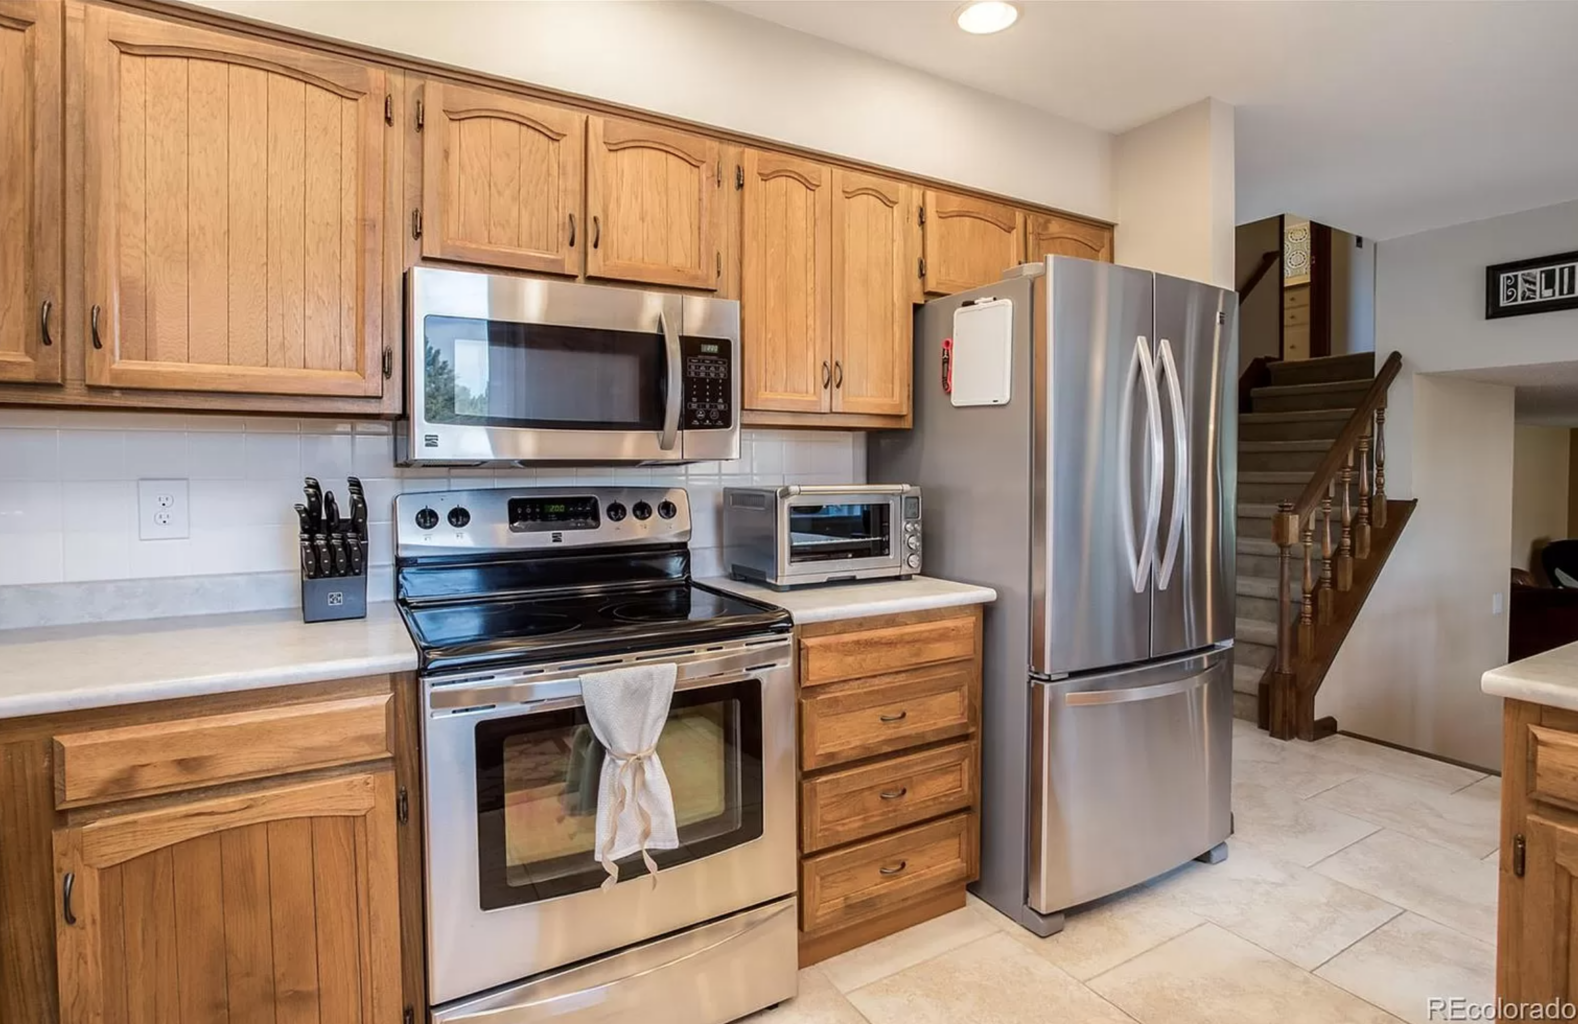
676, 381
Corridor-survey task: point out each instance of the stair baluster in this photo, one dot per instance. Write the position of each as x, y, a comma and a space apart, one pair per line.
1307, 609
1324, 601
1361, 532
1345, 545
1380, 468
1280, 710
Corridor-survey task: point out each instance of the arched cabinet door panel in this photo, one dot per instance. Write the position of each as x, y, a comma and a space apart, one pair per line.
234, 212
875, 286
969, 242
1050, 235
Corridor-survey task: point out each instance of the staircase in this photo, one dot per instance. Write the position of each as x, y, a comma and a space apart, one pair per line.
1311, 497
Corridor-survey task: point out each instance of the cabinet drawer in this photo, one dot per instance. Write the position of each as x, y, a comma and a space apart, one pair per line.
866, 717
859, 802
1295, 298
864, 652
847, 885
1553, 766
139, 760
1296, 317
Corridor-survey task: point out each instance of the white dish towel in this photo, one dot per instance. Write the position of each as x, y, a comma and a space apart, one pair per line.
627, 709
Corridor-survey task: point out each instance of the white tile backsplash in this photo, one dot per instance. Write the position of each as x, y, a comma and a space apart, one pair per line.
68, 510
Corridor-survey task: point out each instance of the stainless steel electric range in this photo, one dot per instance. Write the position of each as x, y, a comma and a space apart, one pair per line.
510, 595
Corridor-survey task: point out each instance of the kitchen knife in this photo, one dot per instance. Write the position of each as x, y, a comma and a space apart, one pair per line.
320, 544
309, 558
353, 548
314, 495
331, 514
355, 484
337, 549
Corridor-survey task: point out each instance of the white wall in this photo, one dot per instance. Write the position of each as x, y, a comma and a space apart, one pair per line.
1174, 188
1539, 489
1409, 671
719, 67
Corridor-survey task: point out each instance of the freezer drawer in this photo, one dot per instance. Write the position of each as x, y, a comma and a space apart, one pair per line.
1130, 775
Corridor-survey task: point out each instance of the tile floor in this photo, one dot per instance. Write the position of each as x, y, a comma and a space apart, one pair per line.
1361, 882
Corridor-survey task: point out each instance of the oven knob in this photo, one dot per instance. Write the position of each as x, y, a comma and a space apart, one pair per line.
459, 517
913, 561
642, 511
912, 527
426, 518
615, 512
914, 542
667, 509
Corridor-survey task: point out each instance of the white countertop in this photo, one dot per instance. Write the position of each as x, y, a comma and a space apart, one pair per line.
1549, 678
67, 668
828, 602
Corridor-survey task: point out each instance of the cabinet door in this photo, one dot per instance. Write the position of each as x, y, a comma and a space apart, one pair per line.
1059, 236
281, 903
786, 302
501, 180
652, 199
1546, 899
234, 212
969, 242
874, 291
32, 222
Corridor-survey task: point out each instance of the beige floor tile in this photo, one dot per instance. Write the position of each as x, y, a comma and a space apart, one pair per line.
1211, 976
1271, 821
1467, 820
1288, 765
889, 955
1372, 757
991, 981
1299, 915
1101, 935
1447, 886
818, 1003
1411, 960
999, 920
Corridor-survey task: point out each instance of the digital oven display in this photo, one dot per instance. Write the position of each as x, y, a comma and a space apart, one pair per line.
538, 514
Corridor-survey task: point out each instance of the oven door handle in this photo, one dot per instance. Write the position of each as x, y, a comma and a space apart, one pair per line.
537, 707
676, 380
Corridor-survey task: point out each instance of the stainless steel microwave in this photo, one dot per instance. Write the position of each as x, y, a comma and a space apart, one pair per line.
800, 534
523, 370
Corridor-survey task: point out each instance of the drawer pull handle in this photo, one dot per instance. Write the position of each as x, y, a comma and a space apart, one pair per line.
901, 716
893, 870
894, 794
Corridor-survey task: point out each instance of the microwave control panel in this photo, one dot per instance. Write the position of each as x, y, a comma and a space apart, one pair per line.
709, 384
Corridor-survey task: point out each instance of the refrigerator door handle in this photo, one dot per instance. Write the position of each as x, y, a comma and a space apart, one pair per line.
1180, 466
1142, 373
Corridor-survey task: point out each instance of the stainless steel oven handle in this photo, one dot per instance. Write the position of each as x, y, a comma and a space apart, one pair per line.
537, 707
676, 381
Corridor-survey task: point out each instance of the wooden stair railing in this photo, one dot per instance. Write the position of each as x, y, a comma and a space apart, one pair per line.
1268, 259
1331, 593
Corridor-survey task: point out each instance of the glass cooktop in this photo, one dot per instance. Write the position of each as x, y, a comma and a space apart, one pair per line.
552, 627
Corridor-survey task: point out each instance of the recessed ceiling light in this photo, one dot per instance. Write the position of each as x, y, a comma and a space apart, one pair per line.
984, 17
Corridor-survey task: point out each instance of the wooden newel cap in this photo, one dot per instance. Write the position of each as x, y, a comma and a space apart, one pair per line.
1285, 526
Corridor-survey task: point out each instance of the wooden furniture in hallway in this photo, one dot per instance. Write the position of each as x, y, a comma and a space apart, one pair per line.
1314, 529
890, 717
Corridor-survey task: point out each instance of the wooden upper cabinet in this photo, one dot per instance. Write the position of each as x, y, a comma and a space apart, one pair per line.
786, 300
652, 197
233, 212
501, 180
875, 286
969, 242
32, 168
283, 902
1051, 235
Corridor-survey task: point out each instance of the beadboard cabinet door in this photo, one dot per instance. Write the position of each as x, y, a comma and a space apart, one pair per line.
653, 202
273, 905
1050, 235
233, 212
501, 180
786, 300
32, 169
969, 242
875, 287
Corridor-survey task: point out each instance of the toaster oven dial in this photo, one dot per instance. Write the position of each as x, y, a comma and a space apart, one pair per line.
914, 542
642, 511
913, 561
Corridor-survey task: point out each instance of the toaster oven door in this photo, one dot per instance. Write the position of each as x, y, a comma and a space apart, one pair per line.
836, 535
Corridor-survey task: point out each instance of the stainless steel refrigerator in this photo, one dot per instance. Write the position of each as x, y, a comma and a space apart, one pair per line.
1075, 436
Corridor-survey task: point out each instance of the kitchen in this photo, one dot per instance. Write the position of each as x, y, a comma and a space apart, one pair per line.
254, 255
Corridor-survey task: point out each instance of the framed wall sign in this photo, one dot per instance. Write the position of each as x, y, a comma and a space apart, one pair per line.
1540, 285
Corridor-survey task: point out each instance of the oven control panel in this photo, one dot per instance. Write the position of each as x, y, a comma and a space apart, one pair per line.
516, 519
709, 384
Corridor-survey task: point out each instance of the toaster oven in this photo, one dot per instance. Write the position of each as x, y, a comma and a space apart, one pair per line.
796, 535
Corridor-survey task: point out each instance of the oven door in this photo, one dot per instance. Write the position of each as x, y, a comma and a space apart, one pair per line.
512, 776
523, 370
830, 534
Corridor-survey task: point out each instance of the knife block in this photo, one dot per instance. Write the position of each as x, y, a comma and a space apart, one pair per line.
330, 598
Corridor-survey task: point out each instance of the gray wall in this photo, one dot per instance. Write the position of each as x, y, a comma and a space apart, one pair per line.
1260, 315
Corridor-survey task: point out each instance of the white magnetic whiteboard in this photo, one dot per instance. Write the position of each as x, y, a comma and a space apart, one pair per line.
983, 353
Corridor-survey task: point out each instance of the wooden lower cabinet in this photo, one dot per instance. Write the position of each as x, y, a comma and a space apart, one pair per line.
255, 865
889, 774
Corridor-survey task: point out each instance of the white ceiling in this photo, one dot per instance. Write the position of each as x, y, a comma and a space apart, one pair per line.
1382, 118
1545, 394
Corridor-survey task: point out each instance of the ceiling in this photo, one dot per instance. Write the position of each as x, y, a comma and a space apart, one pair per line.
1545, 394
1379, 118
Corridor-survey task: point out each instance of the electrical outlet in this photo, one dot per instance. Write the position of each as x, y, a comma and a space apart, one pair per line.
162, 510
